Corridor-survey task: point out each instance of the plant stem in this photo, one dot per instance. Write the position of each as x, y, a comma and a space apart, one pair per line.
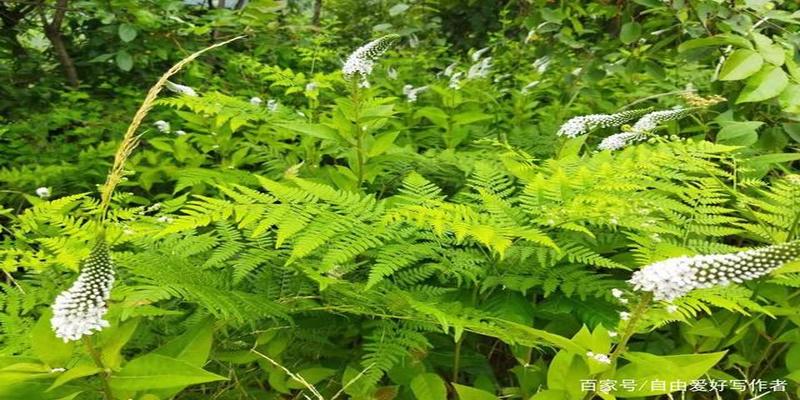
630, 330
457, 358
104, 375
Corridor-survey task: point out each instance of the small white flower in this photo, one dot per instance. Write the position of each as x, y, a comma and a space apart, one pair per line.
162, 126
391, 73
311, 86
164, 219
602, 358
617, 293
272, 105
413, 41
180, 132
455, 80
612, 334
256, 101
623, 301
527, 88
411, 92
54, 370
181, 89
79, 310
43, 192
620, 140
541, 64
675, 277
624, 315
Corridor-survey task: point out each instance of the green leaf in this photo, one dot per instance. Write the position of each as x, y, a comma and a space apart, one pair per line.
630, 32
740, 64
739, 133
113, 339
155, 371
124, 60
766, 84
645, 368
428, 386
789, 99
718, 40
771, 52
565, 373
82, 370
382, 143
551, 394
471, 393
470, 117
193, 346
127, 32
46, 346
316, 130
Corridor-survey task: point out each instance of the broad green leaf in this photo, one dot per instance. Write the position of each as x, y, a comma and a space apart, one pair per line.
718, 40
772, 53
83, 369
738, 133
193, 346
398, 9
645, 368
382, 143
470, 117
741, 64
316, 130
471, 393
793, 130
113, 339
155, 371
630, 32
789, 99
766, 84
124, 60
127, 32
428, 386
552, 394
566, 372
45, 345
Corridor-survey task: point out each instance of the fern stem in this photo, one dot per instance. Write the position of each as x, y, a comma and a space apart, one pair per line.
457, 358
130, 140
104, 375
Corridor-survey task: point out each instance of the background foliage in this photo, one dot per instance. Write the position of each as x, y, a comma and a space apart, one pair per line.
326, 241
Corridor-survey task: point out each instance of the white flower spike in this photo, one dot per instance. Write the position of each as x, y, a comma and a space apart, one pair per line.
79, 310
675, 277
43, 192
582, 125
360, 62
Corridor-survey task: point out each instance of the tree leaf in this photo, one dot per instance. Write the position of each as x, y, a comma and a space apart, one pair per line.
718, 40
764, 85
46, 346
645, 368
630, 32
471, 393
741, 64
124, 60
127, 32
428, 386
771, 52
81, 370
739, 133
155, 371
789, 99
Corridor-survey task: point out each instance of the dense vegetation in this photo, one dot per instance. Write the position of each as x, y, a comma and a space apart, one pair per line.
399, 199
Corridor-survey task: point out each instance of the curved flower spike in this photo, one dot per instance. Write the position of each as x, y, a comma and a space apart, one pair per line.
360, 62
79, 310
582, 125
675, 277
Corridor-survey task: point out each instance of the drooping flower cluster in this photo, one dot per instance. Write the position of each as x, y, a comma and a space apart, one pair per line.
675, 277
79, 310
638, 132
360, 62
162, 126
582, 125
618, 141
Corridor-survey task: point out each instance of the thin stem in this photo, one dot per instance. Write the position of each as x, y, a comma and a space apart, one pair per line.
457, 358
107, 394
130, 140
296, 377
